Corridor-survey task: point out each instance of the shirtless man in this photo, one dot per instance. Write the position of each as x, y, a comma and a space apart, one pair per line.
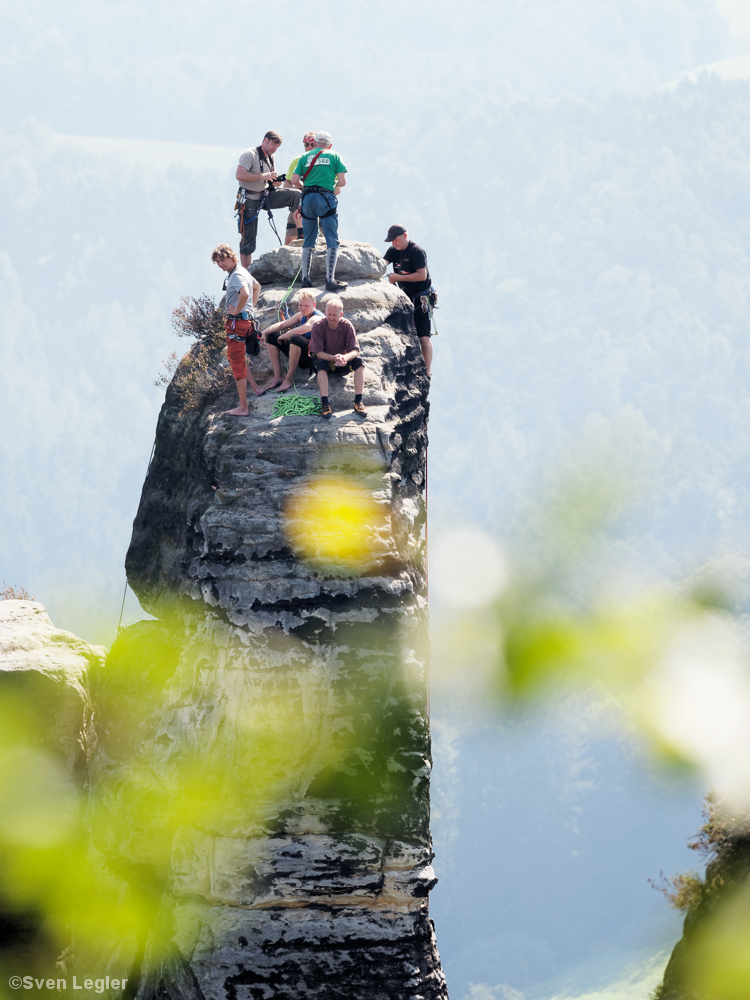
242, 297
295, 343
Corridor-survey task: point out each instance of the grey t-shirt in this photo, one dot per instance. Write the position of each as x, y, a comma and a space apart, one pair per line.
238, 279
255, 163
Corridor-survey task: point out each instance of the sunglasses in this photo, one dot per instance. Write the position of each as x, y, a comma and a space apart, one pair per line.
308, 143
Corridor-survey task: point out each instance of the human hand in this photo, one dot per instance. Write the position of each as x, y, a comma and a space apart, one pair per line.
393, 278
338, 360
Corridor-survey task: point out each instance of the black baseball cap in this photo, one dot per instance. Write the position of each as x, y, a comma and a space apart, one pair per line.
393, 232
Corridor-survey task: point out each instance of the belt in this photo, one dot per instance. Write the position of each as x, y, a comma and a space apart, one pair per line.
317, 190
243, 315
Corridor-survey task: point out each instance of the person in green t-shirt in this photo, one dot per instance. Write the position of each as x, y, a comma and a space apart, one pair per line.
320, 174
294, 220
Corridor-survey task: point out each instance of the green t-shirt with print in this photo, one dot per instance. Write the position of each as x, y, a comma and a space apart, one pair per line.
323, 174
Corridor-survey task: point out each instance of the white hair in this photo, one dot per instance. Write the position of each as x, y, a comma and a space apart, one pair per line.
323, 139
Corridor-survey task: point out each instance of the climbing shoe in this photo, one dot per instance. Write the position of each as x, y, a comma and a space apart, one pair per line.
306, 283
325, 410
335, 286
359, 408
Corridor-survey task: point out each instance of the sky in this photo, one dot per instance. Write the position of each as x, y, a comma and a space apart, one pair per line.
584, 209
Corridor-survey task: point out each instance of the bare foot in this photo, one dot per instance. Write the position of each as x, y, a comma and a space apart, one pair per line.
259, 390
286, 384
236, 413
273, 384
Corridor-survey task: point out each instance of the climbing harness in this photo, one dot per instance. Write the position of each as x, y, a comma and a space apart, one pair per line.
297, 404
239, 205
250, 338
242, 218
314, 188
332, 209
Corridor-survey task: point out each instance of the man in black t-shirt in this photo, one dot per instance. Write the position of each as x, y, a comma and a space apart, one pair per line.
411, 275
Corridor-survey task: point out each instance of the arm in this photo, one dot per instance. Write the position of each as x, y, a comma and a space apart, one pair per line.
340, 182
244, 176
256, 291
305, 328
420, 275
283, 324
344, 359
297, 181
241, 302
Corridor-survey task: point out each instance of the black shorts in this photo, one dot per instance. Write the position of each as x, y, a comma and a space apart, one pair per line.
421, 318
305, 361
331, 369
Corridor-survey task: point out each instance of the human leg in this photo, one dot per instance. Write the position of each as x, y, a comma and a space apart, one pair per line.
272, 346
236, 356
330, 227
321, 367
250, 236
284, 198
242, 410
422, 324
291, 229
426, 344
310, 232
294, 353
323, 378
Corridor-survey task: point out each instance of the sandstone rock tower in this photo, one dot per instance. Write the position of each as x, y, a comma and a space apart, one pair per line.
304, 689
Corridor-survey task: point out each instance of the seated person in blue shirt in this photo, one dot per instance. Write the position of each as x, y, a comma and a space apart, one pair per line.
295, 343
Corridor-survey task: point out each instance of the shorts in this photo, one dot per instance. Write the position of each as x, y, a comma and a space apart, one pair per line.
236, 355
331, 369
421, 318
278, 198
305, 361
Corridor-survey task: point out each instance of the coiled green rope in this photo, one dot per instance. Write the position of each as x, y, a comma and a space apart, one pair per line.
297, 404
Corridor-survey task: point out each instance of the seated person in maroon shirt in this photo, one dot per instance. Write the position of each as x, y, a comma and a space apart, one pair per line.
334, 344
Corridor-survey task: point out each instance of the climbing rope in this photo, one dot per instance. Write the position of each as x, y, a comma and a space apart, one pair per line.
426, 297
432, 318
297, 404
122, 608
283, 305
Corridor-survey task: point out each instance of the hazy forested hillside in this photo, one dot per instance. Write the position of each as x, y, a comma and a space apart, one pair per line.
588, 233
610, 302
593, 273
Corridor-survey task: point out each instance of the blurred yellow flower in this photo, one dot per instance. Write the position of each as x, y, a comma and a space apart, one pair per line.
334, 523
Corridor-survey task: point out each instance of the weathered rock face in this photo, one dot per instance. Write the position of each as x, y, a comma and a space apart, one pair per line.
710, 934
298, 686
46, 742
48, 668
